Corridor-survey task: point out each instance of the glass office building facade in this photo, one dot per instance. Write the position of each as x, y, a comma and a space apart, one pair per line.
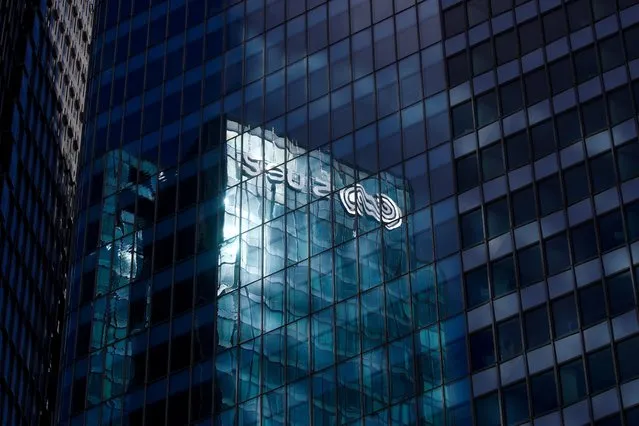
360, 212
43, 65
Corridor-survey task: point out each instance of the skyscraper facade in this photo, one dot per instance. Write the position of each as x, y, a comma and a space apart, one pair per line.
43, 64
358, 212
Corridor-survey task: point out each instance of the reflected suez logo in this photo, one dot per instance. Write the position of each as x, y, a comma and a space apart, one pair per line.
355, 200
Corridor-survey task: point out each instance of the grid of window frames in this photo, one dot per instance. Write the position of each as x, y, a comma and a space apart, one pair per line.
513, 126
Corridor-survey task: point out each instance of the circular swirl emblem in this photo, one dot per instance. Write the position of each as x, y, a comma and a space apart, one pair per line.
382, 208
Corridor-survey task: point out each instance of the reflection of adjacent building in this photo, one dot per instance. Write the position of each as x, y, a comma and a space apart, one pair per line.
269, 276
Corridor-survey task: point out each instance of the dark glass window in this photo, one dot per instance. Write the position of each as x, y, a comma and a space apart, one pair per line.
631, 35
467, 173
536, 85
601, 373
632, 221
477, 287
621, 296
517, 150
594, 115
611, 52
537, 332
586, 64
503, 276
603, 8
499, 6
555, 25
561, 77
497, 218
543, 139
530, 36
578, 14
564, 314
482, 57
516, 404
462, 119
627, 359
492, 161
506, 47
458, 69
478, 11
611, 233
568, 127
511, 97
602, 172
482, 351
472, 228
509, 335
573, 382
620, 105
544, 393
486, 109
455, 20
584, 242
627, 160
576, 183
592, 307
550, 199
487, 410
557, 254
530, 268
523, 206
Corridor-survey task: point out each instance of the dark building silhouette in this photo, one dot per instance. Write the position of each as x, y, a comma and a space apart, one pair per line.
43, 64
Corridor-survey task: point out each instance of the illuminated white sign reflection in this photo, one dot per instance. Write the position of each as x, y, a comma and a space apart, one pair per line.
355, 200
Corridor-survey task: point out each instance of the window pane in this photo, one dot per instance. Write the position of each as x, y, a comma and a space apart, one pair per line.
482, 56
477, 287
492, 162
632, 220
561, 77
524, 206
564, 314
621, 294
611, 233
482, 349
472, 228
550, 199
486, 109
537, 331
627, 358
557, 254
530, 269
594, 116
544, 393
497, 218
584, 242
462, 119
517, 150
568, 128
586, 64
576, 183
467, 173
511, 97
516, 404
627, 160
487, 410
503, 276
600, 370
509, 334
506, 47
573, 382
592, 305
